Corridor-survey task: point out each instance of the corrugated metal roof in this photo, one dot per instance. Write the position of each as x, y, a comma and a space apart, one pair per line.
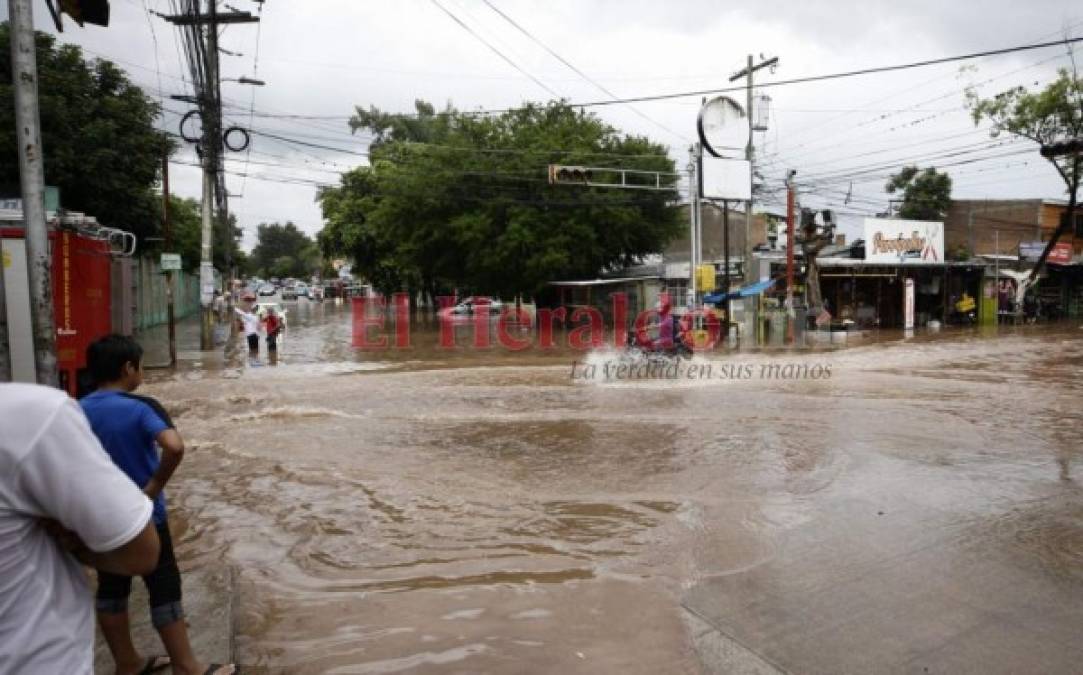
601, 282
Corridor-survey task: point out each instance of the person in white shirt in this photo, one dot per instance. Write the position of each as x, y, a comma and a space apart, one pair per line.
62, 502
251, 327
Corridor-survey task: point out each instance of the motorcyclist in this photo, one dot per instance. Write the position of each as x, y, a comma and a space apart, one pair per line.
671, 332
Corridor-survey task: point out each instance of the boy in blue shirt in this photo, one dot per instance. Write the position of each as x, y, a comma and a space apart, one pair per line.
129, 427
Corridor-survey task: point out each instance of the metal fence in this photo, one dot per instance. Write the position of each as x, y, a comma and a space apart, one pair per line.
139, 294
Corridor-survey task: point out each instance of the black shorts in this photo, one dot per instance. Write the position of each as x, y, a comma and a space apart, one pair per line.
163, 586
253, 342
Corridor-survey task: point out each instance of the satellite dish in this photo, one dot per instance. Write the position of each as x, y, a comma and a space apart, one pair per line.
718, 125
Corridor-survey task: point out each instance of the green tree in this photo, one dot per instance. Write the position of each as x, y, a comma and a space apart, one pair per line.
349, 232
459, 200
185, 216
284, 251
926, 193
1048, 117
97, 130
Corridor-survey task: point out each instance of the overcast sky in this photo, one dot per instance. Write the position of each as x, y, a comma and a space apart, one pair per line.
323, 57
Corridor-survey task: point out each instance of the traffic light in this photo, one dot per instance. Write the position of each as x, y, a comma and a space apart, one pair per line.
87, 11
558, 173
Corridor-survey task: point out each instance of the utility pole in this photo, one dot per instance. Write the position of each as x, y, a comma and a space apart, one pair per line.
750, 155
24, 79
750, 152
168, 227
693, 182
726, 261
699, 219
211, 143
5, 355
790, 243
209, 99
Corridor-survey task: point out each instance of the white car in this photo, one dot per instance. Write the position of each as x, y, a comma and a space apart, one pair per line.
468, 306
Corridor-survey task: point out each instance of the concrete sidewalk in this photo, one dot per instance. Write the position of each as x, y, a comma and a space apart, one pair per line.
208, 603
863, 588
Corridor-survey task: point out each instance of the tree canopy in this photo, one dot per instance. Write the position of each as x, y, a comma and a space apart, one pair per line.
926, 193
284, 251
1050, 117
97, 131
187, 222
455, 200
1047, 117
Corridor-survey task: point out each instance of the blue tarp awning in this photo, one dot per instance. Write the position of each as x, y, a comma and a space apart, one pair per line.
751, 289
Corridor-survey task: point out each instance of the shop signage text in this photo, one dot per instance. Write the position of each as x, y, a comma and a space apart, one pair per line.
903, 241
1060, 255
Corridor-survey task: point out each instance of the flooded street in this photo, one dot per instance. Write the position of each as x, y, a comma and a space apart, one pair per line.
483, 511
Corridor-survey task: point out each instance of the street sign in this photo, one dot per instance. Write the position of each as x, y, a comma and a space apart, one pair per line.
705, 278
889, 240
171, 262
1032, 250
727, 179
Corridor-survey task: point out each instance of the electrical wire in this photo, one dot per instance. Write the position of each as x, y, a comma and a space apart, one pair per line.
580, 73
496, 51
837, 76
154, 40
252, 94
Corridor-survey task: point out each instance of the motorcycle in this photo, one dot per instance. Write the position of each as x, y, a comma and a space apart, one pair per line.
654, 350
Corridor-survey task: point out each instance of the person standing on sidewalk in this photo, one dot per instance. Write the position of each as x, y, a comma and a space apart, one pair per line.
62, 502
251, 328
129, 427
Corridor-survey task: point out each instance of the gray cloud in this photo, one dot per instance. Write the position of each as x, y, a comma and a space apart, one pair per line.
324, 57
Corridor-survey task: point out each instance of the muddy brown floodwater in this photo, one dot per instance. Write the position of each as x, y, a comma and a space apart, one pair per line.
484, 512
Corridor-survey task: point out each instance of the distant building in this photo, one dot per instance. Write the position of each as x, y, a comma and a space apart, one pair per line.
998, 226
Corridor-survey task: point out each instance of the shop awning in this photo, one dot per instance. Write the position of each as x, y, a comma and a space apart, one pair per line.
744, 292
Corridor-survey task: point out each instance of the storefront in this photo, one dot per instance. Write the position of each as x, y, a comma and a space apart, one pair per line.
899, 279
874, 295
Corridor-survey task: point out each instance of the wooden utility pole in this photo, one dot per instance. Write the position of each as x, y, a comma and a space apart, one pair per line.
24, 78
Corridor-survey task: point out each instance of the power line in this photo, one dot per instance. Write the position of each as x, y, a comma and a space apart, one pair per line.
827, 139
836, 76
580, 73
496, 51
252, 93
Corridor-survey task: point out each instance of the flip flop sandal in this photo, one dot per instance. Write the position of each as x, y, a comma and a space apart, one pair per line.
155, 663
211, 669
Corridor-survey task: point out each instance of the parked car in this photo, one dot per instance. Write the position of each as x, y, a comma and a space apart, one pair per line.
469, 306
267, 289
289, 292
301, 289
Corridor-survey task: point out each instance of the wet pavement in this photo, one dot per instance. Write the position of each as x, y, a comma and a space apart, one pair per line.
917, 510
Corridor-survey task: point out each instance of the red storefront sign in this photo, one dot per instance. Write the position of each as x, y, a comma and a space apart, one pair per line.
1061, 253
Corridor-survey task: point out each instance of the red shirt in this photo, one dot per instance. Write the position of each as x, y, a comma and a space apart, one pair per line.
273, 324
